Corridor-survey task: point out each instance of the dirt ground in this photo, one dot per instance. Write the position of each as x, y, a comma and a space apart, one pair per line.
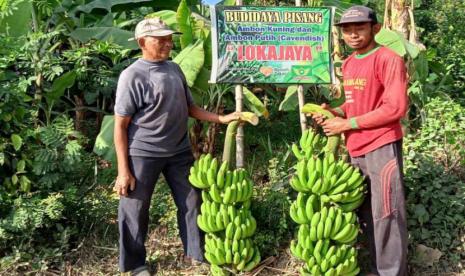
165, 259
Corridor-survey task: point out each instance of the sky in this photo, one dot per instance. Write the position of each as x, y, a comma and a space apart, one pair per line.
210, 2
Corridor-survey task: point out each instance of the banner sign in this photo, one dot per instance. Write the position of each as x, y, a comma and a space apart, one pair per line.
271, 44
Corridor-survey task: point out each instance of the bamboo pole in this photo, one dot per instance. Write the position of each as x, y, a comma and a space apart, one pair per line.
300, 93
240, 129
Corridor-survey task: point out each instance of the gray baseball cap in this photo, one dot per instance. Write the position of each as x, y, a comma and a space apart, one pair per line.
152, 27
357, 14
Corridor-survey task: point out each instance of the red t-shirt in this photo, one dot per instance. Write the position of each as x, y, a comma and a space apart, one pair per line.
375, 86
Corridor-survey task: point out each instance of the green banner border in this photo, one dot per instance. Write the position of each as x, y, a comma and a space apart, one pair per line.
215, 10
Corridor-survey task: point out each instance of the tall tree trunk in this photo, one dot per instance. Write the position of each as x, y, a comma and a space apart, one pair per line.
397, 17
240, 130
80, 112
338, 56
300, 90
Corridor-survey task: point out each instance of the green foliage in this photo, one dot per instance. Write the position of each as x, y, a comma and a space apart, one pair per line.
442, 135
104, 145
254, 103
163, 211
40, 190
274, 228
434, 180
15, 16
269, 159
396, 42
443, 31
183, 19
191, 60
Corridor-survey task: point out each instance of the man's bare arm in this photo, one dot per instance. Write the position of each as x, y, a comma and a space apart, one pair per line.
125, 178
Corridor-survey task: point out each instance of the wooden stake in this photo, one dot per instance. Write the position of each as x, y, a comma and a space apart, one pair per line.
300, 93
240, 130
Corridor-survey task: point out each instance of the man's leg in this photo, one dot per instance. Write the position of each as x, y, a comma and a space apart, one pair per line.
133, 212
188, 200
365, 215
384, 167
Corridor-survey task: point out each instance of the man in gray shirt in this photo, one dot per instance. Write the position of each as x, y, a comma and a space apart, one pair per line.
153, 103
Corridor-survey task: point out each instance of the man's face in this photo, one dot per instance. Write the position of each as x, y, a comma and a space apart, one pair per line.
158, 47
359, 35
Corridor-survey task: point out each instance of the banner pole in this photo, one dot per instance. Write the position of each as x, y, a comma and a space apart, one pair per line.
300, 93
240, 129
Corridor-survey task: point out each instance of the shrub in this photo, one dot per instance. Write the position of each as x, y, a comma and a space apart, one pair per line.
270, 207
434, 180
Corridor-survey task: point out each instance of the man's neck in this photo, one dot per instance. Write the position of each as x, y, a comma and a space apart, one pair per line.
151, 58
367, 49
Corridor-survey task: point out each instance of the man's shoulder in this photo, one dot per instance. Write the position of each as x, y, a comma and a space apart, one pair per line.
347, 60
385, 53
137, 68
173, 65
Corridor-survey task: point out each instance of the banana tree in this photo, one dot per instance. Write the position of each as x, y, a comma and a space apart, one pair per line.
399, 33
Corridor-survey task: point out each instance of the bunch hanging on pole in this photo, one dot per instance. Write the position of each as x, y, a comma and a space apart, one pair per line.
329, 190
225, 214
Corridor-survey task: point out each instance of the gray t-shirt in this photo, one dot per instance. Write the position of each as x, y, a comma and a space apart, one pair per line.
156, 96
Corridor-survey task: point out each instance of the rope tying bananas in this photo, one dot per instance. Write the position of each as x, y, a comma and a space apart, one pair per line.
329, 190
225, 211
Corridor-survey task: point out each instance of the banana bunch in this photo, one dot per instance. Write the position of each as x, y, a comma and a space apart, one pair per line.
224, 186
303, 209
225, 211
333, 181
329, 223
309, 143
204, 172
329, 190
322, 258
242, 254
243, 226
229, 224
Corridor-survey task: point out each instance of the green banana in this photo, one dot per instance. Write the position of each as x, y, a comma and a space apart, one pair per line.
220, 177
298, 154
348, 207
345, 175
309, 207
341, 235
327, 228
320, 229
215, 194
337, 225
303, 138
315, 219
211, 258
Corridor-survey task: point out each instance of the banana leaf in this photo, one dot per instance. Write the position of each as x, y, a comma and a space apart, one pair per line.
396, 42
109, 34
104, 145
184, 22
106, 5
191, 61
19, 22
291, 101
254, 103
169, 17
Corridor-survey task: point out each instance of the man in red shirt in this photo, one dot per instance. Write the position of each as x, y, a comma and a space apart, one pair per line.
375, 85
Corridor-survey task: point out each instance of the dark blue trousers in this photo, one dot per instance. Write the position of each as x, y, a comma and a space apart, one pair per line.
133, 211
